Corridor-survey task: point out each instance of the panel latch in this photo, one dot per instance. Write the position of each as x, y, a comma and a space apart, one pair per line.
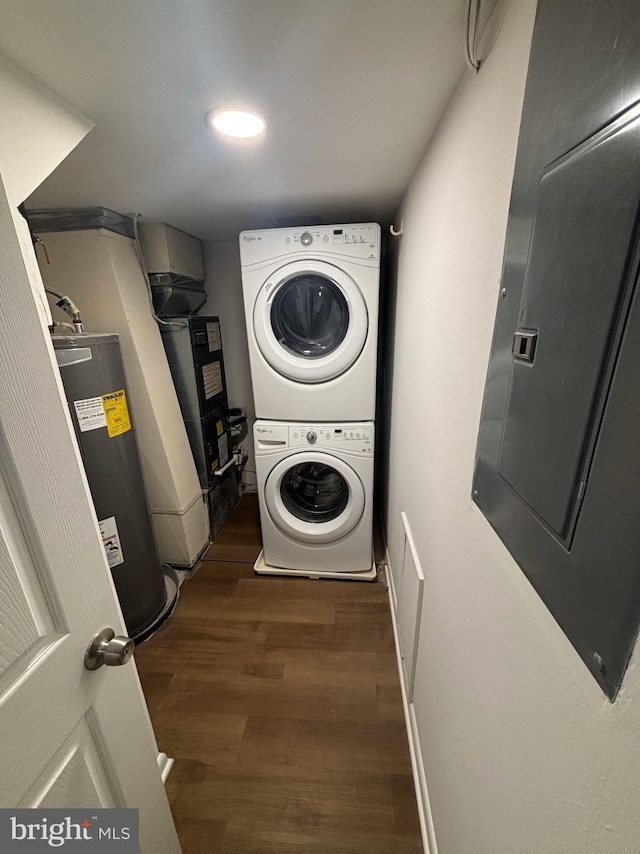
524, 345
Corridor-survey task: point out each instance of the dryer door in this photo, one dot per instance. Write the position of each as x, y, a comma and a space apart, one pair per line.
314, 497
310, 321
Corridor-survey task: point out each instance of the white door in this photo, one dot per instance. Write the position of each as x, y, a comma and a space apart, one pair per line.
310, 321
314, 497
69, 737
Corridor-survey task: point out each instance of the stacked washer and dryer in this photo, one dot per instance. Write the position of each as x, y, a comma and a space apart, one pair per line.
311, 307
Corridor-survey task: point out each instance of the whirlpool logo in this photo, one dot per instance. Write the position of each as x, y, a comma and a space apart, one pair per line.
107, 830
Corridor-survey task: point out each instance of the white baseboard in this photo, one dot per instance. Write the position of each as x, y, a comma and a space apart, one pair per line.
165, 764
417, 764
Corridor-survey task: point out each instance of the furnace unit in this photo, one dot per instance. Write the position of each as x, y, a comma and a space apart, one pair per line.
194, 351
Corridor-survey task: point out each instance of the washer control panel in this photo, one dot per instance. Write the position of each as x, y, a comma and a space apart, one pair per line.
349, 437
357, 437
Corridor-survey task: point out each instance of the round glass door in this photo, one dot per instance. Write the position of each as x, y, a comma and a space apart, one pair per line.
314, 492
310, 316
314, 497
310, 321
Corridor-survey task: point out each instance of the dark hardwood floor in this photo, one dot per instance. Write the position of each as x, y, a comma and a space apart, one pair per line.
280, 702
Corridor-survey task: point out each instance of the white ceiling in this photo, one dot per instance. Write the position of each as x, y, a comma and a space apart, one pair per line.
352, 90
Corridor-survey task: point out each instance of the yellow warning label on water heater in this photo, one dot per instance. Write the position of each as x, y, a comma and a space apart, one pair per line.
116, 413
220, 427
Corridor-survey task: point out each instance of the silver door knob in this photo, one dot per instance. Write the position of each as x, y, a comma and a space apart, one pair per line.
108, 648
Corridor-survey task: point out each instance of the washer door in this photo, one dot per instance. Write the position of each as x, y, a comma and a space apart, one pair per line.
314, 497
310, 321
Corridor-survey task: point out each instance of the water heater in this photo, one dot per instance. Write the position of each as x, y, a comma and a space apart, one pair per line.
96, 391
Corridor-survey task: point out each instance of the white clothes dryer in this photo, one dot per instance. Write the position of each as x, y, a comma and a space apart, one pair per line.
315, 490
311, 309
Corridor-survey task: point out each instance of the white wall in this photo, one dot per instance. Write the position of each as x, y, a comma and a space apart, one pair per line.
522, 752
37, 131
224, 290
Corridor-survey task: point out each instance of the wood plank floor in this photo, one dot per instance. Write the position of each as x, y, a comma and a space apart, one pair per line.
280, 702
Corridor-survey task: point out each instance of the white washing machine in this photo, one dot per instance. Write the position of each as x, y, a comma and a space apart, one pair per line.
311, 307
315, 488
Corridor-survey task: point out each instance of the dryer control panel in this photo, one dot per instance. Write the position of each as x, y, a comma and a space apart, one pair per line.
359, 241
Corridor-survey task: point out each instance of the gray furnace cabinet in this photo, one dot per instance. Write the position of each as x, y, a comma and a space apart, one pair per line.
558, 460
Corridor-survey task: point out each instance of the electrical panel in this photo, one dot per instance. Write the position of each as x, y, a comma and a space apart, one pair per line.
558, 459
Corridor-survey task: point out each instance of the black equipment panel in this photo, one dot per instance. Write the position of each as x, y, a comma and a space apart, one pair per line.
208, 363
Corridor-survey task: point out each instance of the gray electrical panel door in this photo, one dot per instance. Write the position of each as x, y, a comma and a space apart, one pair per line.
574, 285
558, 462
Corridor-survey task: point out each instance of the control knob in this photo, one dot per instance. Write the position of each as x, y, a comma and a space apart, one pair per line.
312, 437
306, 239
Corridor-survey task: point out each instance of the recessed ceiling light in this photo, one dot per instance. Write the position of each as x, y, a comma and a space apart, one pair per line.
241, 124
